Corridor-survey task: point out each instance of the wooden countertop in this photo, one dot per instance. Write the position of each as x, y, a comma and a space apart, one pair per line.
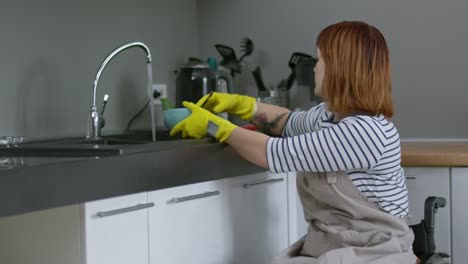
438, 154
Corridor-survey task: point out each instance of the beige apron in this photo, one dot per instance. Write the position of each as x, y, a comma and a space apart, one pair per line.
345, 227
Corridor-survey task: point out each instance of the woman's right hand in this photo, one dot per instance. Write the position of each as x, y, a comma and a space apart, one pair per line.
242, 106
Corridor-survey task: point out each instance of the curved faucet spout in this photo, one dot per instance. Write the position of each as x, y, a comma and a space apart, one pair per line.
95, 116
112, 55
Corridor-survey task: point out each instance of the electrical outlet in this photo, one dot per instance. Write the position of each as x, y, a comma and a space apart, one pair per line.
160, 88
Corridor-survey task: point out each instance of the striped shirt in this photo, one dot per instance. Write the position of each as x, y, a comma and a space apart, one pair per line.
367, 148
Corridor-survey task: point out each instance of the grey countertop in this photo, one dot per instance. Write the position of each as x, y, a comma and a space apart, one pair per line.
30, 184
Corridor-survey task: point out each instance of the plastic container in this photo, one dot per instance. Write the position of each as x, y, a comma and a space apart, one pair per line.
174, 116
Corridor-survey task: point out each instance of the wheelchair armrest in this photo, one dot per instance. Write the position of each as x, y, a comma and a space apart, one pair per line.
430, 209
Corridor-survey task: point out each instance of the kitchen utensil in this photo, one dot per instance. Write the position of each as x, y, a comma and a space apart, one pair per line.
173, 116
295, 57
247, 48
280, 97
206, 100
197, 78
194, 80
282, 84
257, 74
250, 127
213, 63
305, 72
305, 78
229, 58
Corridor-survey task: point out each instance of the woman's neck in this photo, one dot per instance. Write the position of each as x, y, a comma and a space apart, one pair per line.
340, 116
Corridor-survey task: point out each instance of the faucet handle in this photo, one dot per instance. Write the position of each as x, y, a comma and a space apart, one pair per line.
106, 97
96, 121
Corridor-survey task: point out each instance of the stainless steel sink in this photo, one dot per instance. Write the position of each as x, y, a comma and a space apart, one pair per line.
125, 138
130, 138
138, 137
110, 145
104, 141
58, 152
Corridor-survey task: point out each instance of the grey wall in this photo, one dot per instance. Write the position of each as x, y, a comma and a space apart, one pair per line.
427, 40
50, 52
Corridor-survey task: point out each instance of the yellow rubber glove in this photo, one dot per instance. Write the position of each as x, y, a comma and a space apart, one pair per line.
196, 125
242, 106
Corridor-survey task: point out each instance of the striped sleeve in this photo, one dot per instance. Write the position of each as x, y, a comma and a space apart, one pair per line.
304, 122
347, 145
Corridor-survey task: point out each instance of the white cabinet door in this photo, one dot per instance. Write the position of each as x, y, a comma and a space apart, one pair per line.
459, 215
423, 182
186, 225
257, 218
116, 230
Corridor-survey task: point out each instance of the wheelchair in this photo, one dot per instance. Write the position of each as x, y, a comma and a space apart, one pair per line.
424, 245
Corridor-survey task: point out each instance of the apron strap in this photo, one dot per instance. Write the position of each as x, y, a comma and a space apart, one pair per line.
331, 177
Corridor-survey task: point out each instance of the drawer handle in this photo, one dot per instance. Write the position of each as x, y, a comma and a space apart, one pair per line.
410, 177
192, 197
125, 210
253, 184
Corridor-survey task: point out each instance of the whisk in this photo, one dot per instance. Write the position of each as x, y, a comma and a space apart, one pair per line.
247, 48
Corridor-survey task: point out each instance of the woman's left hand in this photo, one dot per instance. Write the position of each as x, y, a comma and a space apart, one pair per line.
196, 125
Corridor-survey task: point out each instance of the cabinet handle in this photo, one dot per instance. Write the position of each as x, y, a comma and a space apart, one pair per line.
124, 210
192, 197
410, 177
253, 184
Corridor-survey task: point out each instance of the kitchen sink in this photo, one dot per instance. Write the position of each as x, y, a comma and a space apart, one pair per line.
58, 152
104, 141
124, 138
109, 145
130, 138
139, 137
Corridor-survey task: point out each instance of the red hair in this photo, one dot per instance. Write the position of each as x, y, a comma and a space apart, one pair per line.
357, 69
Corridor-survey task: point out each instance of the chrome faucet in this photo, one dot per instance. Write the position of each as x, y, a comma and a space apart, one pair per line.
96, 122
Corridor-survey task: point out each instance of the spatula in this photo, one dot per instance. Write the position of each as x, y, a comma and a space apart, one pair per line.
295, 57
257, 74
247, 48
229, 58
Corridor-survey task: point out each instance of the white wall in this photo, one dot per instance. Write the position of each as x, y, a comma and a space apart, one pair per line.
427, 40
50, 52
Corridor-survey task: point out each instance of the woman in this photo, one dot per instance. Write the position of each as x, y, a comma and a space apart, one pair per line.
345, 151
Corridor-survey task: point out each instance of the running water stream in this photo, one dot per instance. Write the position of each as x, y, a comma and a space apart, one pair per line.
151, 103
